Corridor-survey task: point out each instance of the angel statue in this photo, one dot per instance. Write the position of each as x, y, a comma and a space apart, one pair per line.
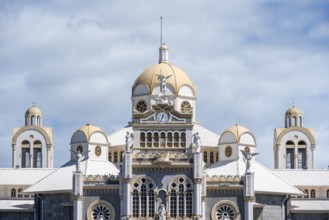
162, 212
248, 157
163, 82
129, 141
196, 140
79, 156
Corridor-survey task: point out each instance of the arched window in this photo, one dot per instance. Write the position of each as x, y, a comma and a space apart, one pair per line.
169, 140
183, 139
205, 157
312, 193
156, 140
149, 139
25, 154
110, 156
19, 193
328, 193
217, 156
37, 154
115, 157
180, 189
163, 139
176, 139
306, 192
39, 121
211, 157
290, 155
13, 193
142, 143
143, 197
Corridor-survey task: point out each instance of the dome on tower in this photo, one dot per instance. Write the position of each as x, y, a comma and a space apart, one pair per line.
88, 132
177, 80
33, 116
33, 111
237, 133
293, 111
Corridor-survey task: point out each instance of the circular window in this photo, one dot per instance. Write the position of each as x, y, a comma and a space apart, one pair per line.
225, 212
141, 106
186, 107
98, 151
247, 149
228, 151
100, 210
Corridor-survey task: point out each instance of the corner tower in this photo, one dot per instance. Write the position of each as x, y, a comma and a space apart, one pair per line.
32, 145
294, 145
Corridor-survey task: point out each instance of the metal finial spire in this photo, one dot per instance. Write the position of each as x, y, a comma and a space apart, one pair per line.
160, 30
293, 102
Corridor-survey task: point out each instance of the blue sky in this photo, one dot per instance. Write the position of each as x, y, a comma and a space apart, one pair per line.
248, 59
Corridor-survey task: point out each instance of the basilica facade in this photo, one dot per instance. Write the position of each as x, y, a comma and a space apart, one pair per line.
165, 165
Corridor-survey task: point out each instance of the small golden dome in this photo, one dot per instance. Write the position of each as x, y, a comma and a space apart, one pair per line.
178, 79
237, 130
293, 111
89, 129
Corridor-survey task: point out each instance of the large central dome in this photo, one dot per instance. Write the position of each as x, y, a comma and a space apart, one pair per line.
178, 82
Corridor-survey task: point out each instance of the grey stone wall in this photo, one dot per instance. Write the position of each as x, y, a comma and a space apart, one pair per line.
16, 216
272, 209
109, 195
214, 196
53, 208
308, 216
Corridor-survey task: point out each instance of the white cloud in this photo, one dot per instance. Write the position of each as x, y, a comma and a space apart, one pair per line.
78, 60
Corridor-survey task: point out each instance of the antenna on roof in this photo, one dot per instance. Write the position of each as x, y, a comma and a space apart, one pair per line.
160, 30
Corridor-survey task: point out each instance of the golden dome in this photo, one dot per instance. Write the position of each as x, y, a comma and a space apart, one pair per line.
89, 129
237, 130
293, 111
178, 79
33, 111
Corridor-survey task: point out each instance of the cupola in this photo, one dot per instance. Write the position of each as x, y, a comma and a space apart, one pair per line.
293, 117
33, 116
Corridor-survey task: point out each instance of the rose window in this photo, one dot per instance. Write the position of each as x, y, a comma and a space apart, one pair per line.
101, 212
225, 212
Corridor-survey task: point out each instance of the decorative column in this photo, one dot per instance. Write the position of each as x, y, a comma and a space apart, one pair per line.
14, 162
126, 185
197, 177
249, 195
126, 178
77, 191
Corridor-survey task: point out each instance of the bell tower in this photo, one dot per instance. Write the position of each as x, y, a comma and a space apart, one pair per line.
32, 145
294, 145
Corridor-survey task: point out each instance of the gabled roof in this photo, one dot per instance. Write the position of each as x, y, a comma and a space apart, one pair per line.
208, 138
265, 180
304, 177
23, 176
61, 179
310, 205
117, 138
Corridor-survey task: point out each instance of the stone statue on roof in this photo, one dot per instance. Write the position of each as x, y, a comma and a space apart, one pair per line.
248, 156
129, 141
196, 140
79, 156
163, 83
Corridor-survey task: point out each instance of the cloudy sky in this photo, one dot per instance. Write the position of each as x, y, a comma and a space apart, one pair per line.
77, 60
